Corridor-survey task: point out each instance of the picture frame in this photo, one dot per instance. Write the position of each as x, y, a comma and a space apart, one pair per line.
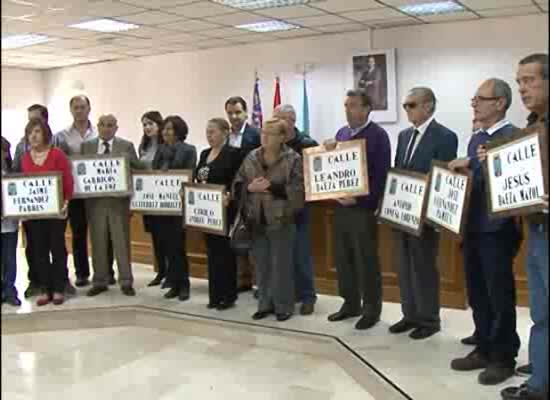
389, 215
436, 184
337, 173
531, 167
375, 71
13, 185
121, 181
192, 200
154, 189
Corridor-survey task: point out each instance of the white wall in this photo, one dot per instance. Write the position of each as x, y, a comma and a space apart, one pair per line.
20, 89
451, 58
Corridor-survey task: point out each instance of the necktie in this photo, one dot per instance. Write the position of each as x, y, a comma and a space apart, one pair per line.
107, 149
411, 147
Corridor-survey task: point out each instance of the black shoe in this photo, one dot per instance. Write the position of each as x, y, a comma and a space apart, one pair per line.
70, 290
156, 282
165, 284
211, 305
32, 290
95, 290
342, 315
474, 360
495, 374
183, 295
525, 369
172, 293
112, 281
402, 326
307, 308
367, 322
225, 306
12, 300
244, 288
128, 291
522, 392
423, 332
81, 282
469, 341
283, 317
261, 314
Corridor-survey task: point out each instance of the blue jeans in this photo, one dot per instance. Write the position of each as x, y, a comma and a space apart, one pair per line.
9, 264
537, 275
304, 276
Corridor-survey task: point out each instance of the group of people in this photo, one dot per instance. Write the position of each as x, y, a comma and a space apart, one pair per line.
263, 174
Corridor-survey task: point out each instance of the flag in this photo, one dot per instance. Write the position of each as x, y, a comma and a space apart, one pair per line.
277, 97
305, 111
257, 116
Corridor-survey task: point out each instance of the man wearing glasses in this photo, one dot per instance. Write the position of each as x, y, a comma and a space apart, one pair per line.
417, 146
489, 248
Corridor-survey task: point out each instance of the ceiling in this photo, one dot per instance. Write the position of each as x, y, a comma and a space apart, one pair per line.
168, 26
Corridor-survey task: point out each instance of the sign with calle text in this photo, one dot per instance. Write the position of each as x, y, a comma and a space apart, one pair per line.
158, 192
204, 209
101, 176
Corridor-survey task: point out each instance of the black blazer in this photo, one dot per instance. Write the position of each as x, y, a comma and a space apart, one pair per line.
178, 156
251, 139
437, 143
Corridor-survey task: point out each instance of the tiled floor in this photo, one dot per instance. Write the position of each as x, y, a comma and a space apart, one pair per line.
138, 362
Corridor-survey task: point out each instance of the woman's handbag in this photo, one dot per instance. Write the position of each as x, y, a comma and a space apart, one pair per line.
239, 235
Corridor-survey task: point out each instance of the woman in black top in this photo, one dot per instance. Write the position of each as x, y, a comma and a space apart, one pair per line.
218, 165
167, 231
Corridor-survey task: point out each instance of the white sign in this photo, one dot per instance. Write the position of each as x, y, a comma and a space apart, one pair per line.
204, 208
403, 201
158, 192
447, 195
32, 196
336, 173
515, 175
101, 176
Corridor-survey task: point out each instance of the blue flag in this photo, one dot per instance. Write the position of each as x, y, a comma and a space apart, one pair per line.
305, 111
257, 116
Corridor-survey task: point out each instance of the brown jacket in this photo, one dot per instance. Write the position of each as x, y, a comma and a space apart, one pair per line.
286, 173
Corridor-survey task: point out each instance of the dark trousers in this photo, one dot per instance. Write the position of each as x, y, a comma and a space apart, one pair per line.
9, 264
32, 275
419, 277
222, 270
488, 263
78, 220
356, 255
169, 245
48, 238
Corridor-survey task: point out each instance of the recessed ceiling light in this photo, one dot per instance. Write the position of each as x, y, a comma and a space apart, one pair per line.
104, 25
432, 8
268, 26
17, 41
258, 4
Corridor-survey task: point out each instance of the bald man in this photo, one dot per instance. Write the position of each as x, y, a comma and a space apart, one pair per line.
109, 217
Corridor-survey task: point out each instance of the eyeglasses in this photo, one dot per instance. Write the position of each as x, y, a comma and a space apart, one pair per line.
409, 105
476, 99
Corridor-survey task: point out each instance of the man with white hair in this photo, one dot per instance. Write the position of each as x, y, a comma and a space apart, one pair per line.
303, 264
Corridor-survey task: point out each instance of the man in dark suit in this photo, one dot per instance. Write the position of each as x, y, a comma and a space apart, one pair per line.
245, 137
109, 217
489, 249
417, 146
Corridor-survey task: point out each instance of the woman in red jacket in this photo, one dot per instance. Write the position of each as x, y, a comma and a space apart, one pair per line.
48, 235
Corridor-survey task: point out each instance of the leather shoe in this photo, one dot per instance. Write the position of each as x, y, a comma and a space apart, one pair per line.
495, 374
283, 317
70, 290
342, 315
423, 332
184, 295
81, 282
32, 290
155, 282
210, 306
525, 369
225, 306
112, 281
172, 293
128, 291
307, 309
469, 341
261, 314
402, 326
13, 301
474, 360
522, 392
95, 290
165, 284
367, 322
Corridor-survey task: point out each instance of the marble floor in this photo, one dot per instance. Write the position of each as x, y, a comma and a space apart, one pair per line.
146, 347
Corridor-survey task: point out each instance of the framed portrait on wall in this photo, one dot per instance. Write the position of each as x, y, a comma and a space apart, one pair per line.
374, 71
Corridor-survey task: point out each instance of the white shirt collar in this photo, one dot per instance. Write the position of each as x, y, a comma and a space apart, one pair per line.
355, 131
500, 124
422, 128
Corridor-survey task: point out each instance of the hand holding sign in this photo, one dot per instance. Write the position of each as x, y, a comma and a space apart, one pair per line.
459, 165
545, 203
330, 144
226, 199
259, 185
347, 201
481, 153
